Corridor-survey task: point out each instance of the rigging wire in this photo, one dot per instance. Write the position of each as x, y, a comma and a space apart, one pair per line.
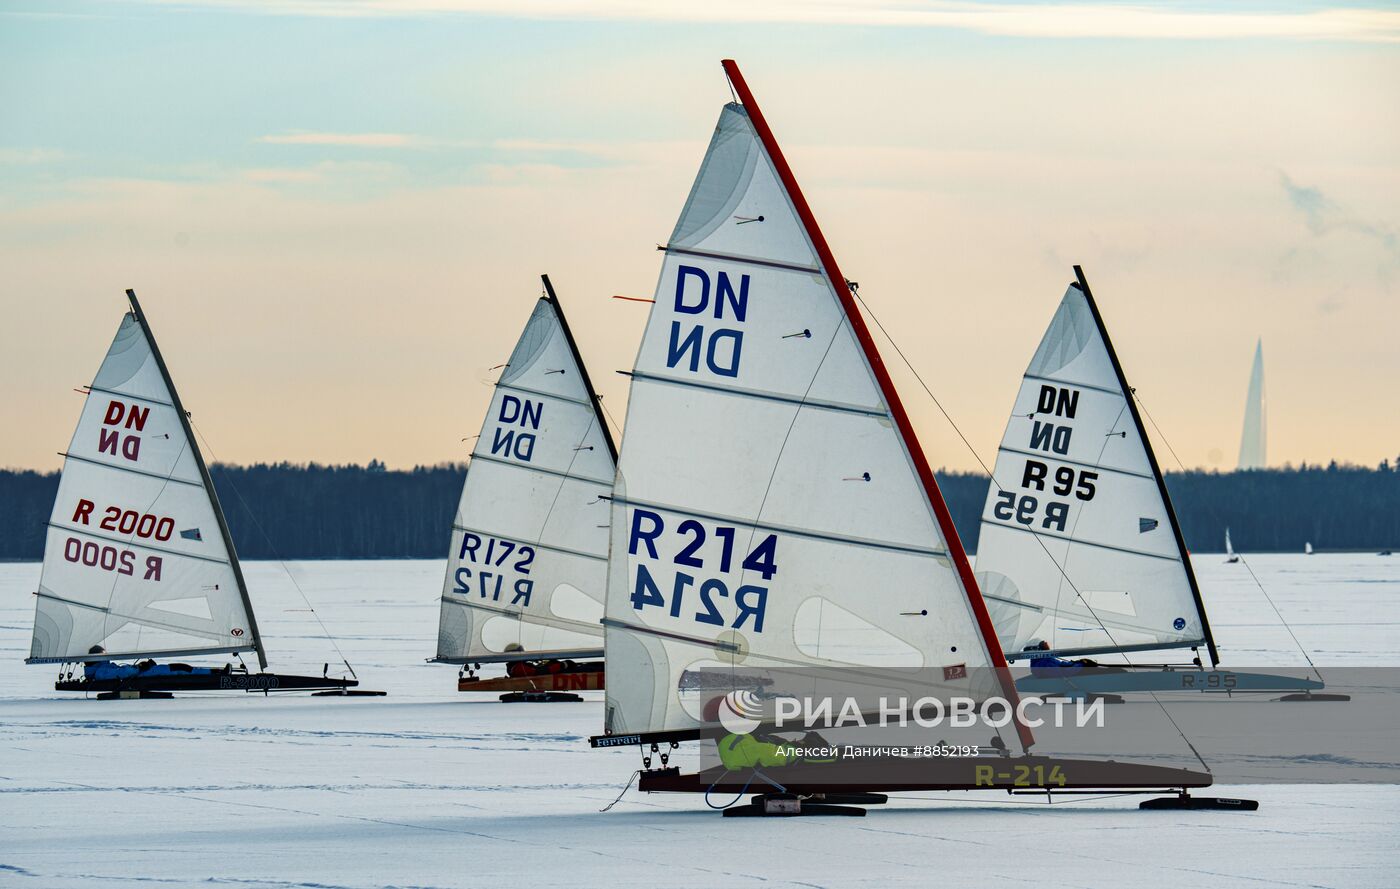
268, 538
1243, 561
992, 476
611, 419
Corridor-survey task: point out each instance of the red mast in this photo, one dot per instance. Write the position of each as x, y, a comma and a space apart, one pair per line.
882, 376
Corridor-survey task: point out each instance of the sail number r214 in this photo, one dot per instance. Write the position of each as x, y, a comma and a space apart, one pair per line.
690, 594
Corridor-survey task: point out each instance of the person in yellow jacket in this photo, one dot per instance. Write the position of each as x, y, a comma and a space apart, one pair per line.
739, 752
747, 752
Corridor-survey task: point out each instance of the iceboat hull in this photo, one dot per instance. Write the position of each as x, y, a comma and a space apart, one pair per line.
1118, 681
900, 775
217, 681
574, 680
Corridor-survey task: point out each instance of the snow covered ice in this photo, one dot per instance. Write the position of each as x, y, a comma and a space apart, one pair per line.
432, 788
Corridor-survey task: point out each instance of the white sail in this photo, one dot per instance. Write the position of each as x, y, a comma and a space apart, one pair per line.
1253, 440
528, 562
1079, 547
768, 510
136, 557
1307, 549
1229, 548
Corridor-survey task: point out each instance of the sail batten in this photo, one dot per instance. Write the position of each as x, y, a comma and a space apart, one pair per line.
1059, 459
541, 470
528, 559
783, 529
746, 260
1080, 541
770, 396
1078, 521
138, 560
135, 655
59, 526
788, 515
131, 395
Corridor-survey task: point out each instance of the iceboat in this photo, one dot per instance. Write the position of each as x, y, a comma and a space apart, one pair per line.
1080, 551
774, 519
138, 560
528, 557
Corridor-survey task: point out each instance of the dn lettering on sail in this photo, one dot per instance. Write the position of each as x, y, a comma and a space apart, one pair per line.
1048, 495
692, 342
1054, 402
510, 438
119, 433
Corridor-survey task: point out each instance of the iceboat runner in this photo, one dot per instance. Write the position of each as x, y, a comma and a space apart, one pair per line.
773, 511
529, 552
1080, 552
138, 561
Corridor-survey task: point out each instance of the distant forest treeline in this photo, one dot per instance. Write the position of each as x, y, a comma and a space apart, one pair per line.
293, 511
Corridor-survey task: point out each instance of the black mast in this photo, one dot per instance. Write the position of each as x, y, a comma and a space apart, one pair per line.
203, 474
593, 395
1083, 286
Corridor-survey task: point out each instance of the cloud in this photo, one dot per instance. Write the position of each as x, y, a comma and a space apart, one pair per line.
353, 140
1309, 201
1322, 215
30, 156
1104, 20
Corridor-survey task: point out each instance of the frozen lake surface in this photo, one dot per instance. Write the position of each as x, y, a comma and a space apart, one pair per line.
432, 788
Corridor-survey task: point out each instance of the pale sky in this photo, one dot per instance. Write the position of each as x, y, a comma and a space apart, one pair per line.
336, 211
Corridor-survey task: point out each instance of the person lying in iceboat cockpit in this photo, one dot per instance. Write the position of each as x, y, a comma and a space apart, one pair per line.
1047, 666
99, 670
543, 667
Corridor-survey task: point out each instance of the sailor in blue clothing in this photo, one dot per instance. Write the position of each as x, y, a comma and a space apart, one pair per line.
99, 670
106, 669
1047, 666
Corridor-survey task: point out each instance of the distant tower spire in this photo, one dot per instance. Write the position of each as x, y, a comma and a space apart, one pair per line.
1254, 440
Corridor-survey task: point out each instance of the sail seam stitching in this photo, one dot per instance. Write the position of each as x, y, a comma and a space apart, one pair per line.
765, 396
731, 257
551, 547
159, 549
542, 394
1080, 542
1096, 466
156, 475
129, 395
784, 529
540, 469
1074, 384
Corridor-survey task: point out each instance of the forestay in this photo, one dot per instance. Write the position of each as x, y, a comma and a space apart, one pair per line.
768, 511
136, 557
528, 563
1079, 546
